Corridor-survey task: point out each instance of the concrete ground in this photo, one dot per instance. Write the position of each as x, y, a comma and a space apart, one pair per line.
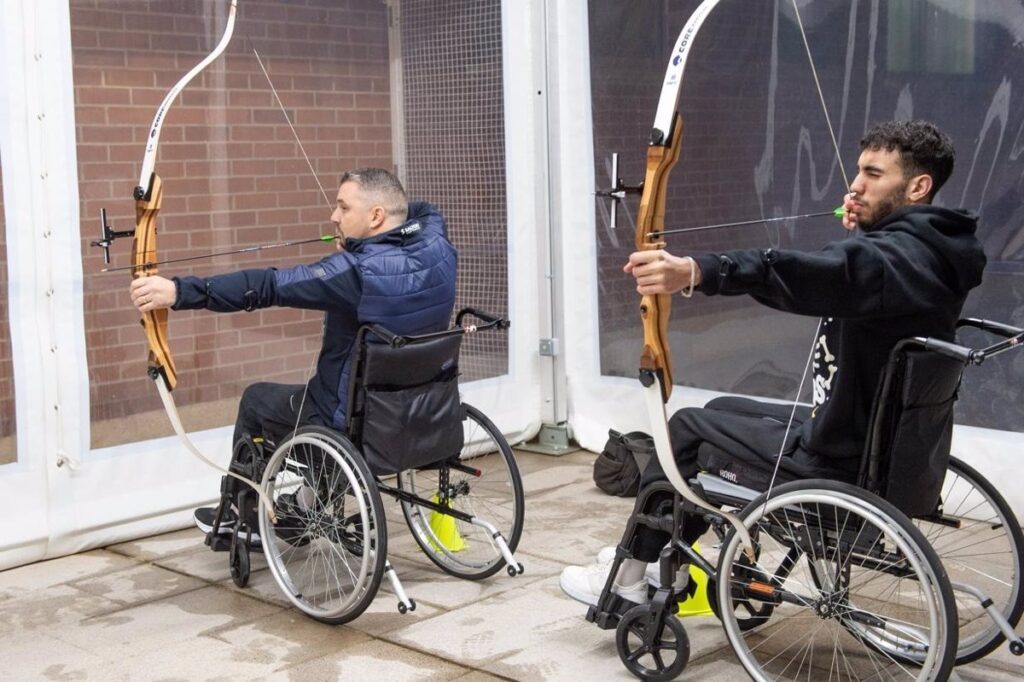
164, 608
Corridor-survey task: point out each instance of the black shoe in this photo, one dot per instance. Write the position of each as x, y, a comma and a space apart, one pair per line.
292, 520
205, 516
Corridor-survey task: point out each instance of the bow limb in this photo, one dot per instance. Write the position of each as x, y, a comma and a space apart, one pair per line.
655, 359
148, 196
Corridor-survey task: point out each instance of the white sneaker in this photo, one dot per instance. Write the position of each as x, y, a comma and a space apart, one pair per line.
584, 584
653, 572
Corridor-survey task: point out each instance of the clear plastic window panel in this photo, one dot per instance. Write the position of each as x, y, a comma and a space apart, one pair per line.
756, 145
234, 176
455, 150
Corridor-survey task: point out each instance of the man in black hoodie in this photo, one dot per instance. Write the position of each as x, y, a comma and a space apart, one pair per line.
906, 273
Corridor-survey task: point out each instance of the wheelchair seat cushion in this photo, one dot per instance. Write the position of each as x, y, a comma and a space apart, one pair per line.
744, 469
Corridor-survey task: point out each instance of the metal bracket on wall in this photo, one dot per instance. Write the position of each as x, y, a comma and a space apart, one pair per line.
552, 439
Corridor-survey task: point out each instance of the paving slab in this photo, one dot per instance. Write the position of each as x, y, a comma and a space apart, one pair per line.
375, 660
17, 582
138, 584
165, 608
159, 624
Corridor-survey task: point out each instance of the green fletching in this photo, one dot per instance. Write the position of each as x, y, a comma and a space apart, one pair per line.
839, 212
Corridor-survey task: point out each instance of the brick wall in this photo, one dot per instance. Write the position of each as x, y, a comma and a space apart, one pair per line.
7, 423
233, 177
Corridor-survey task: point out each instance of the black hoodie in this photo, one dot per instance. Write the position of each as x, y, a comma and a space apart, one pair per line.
907, 277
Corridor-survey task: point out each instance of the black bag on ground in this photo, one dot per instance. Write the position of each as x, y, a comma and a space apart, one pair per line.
618, 468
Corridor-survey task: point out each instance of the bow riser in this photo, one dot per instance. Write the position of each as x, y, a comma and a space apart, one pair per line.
655, 310
143, 253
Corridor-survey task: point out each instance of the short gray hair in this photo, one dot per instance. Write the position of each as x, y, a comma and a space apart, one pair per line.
381, 187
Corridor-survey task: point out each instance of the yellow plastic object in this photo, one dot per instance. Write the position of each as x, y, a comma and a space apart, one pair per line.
698, 604
445, 530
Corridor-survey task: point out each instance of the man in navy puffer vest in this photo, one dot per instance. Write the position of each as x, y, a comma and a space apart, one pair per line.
394, 267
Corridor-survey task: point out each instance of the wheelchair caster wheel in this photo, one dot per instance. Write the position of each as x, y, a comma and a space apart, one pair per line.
650, 647
1017, 648
403, 609
238, 563
513, 571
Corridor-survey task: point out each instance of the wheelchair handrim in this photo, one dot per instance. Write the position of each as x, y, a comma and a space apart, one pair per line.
848, 503
269, 538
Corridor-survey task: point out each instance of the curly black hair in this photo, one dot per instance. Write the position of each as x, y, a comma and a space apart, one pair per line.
923, 149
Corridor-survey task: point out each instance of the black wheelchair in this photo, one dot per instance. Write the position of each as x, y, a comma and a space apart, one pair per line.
409, 437
912, 571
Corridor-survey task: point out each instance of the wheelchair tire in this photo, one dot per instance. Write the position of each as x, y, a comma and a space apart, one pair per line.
238, 563
492, 492
649, 649
861, 588
986, 551
328, 547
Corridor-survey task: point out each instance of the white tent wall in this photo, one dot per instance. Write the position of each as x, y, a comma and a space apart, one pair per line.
70, 498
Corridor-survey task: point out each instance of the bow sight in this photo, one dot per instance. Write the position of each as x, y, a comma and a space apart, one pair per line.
618, 191
107, 236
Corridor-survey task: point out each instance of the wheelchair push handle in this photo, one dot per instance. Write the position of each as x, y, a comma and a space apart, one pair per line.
990, 326
488, 319
1014, 337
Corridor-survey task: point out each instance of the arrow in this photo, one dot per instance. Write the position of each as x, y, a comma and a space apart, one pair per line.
836, 213
248, 249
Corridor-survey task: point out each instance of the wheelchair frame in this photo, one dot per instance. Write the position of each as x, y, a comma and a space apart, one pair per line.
327, 549
824, 521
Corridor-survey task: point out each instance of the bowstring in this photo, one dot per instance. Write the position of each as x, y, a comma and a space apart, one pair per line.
817, 331
330, 206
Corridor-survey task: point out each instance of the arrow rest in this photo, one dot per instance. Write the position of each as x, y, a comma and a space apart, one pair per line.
619, 191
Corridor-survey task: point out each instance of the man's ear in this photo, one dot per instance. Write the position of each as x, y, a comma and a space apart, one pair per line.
918, 188
377, 217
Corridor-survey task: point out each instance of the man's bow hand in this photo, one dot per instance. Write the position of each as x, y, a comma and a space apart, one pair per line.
152, 293
659, 272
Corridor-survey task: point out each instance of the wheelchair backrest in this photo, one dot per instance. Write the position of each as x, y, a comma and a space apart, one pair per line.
911, 427
404, 406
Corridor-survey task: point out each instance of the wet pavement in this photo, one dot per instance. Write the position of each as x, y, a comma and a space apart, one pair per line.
165, 608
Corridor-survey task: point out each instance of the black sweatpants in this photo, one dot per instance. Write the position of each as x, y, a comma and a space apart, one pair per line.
749, 431
272, 411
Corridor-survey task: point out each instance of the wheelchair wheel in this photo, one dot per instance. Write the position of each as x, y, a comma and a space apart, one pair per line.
857, 591
238, 563
649, 649
484, 483
328, 547
980, 543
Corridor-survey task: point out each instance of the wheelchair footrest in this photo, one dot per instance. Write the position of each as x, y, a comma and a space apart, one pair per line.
609, 619
221, 542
